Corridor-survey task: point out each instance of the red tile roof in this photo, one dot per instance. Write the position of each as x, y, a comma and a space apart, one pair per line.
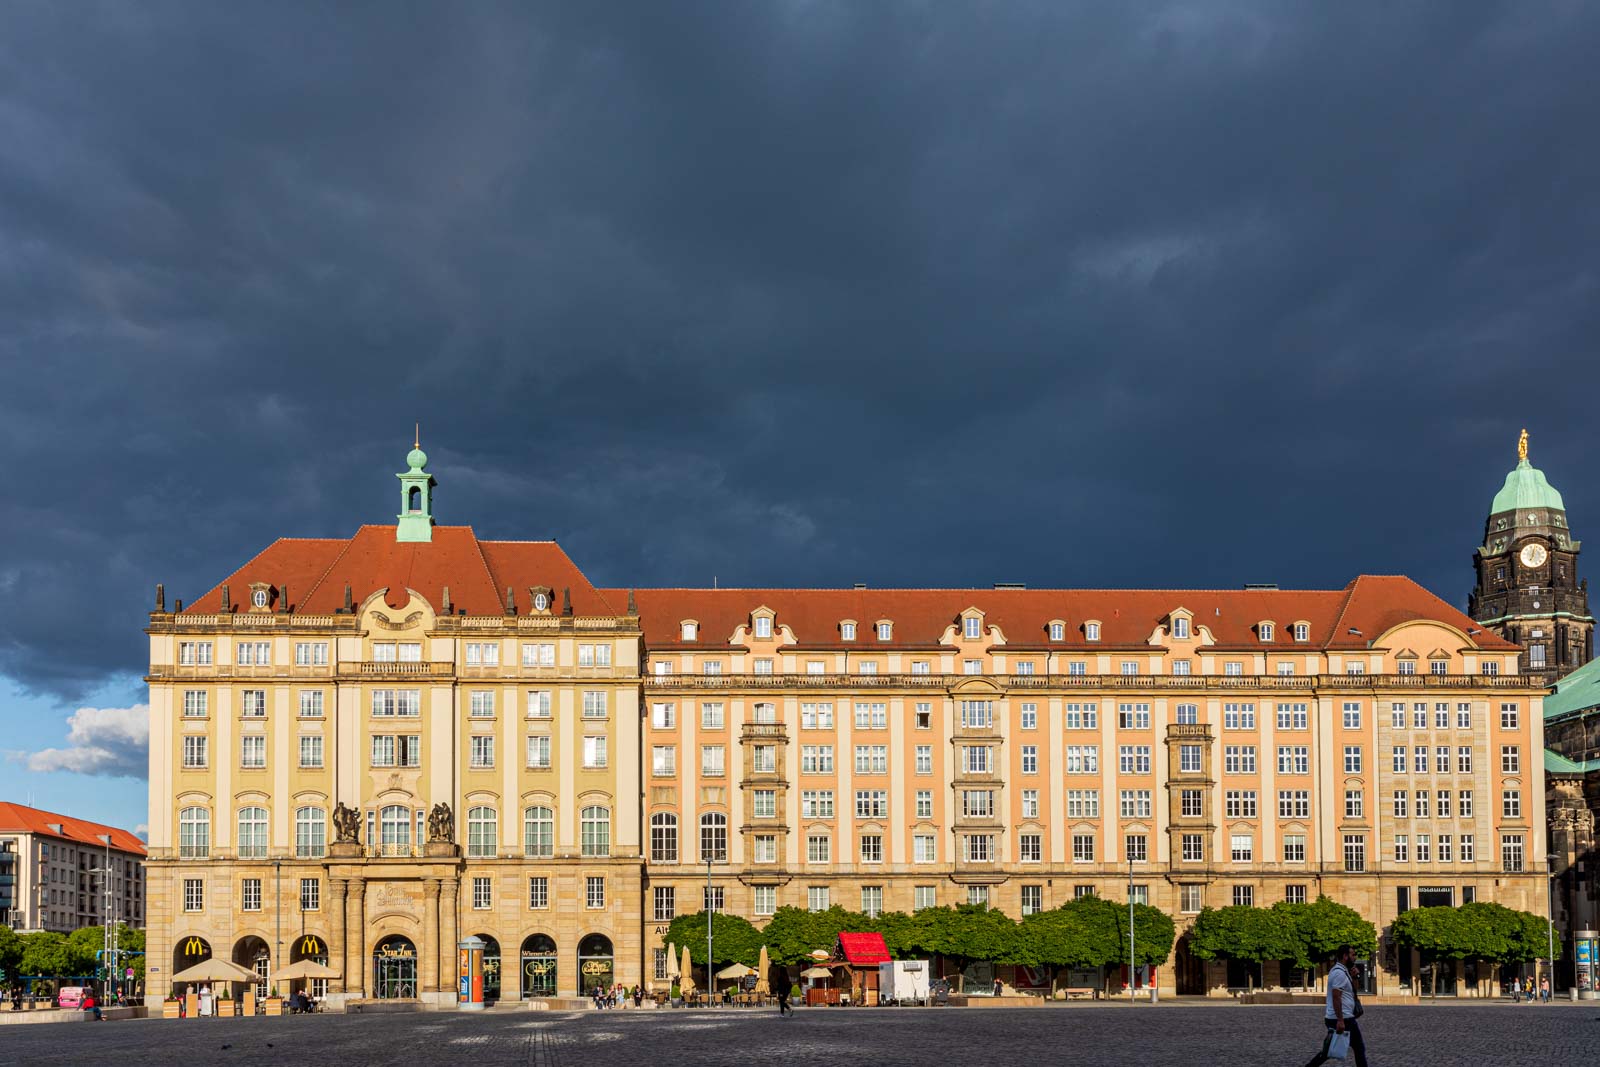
863, 949
19, 818
1127, 617
316, 571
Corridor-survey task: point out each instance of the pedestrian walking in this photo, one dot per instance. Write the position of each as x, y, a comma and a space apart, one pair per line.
781, 988
1516, 989
1342, 1008
1544, 989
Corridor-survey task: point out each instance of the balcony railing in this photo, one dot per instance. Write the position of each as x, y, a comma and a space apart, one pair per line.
1189, 731
763, 730
1114, 682
392, 850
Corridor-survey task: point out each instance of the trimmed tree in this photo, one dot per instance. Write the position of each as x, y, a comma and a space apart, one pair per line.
10, 952
1238, 932
734, 939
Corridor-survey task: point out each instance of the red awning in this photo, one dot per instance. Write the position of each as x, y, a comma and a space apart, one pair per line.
862, 949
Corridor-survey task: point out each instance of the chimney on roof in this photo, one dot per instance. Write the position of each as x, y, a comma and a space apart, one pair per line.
633, 605
283, 598
349, 604
1011, 585
179, 608
445, 608
227, 601
511, 601
566, 600
161, 598
1259, 586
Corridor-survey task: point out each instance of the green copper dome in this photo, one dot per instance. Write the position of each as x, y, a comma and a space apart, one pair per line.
418, 459
1526, 488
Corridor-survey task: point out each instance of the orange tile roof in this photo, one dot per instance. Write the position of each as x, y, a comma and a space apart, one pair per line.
316, 571
1127, 617
19, 818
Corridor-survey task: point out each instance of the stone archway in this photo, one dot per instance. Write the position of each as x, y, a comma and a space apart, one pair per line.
188, 951
394, 968
538, 966
253, 954
596, 965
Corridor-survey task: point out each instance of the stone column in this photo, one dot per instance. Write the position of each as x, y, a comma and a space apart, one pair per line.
430, 932
445, 949
355, 924
338, 937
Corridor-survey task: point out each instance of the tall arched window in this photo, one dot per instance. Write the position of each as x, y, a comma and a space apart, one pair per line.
538, 832
596, 827
481, 824
194, 833
394, 827
252, 833
713, 836
663, 837
310, 833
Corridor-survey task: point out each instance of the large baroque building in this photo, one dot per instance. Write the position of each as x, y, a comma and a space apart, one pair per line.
364, 749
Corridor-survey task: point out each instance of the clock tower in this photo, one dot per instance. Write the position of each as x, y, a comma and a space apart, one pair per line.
1528, 589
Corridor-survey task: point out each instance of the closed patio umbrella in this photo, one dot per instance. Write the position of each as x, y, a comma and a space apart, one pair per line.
763, 987
686, 975
672, 961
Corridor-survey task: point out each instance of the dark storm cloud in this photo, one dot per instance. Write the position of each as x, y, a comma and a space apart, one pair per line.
786, 293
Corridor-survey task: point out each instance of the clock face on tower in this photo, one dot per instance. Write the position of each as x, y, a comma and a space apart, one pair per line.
1534, 555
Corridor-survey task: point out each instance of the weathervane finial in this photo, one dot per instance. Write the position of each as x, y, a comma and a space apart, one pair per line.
1522, 447
416, 440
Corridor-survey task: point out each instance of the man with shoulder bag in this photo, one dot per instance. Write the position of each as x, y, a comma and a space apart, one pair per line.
1342, 1010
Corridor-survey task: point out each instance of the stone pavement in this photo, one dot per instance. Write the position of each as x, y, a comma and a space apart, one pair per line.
1106, 1036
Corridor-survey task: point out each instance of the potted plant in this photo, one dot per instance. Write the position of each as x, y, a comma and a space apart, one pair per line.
676, 996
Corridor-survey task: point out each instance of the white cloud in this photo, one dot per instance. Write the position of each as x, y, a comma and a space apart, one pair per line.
113, 742
142, 832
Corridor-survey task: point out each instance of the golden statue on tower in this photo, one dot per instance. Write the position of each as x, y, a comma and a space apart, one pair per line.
1522, 447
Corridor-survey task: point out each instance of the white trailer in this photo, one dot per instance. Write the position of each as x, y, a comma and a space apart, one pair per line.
903, 982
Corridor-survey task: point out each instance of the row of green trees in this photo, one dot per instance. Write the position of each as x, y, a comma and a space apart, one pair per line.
1087, 932
1301, 934
1489, 932
51, 954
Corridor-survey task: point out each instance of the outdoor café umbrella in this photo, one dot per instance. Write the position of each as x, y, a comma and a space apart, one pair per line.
734, 970
816, 972
672, 961
686, 977
304, 969
762, 967
215, 970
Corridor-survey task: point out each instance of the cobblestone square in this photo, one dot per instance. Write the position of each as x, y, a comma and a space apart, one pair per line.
1102, 1035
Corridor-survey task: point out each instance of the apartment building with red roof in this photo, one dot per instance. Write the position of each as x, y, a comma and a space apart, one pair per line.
59, 873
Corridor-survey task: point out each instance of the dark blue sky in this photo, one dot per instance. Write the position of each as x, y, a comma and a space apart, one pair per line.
781, 293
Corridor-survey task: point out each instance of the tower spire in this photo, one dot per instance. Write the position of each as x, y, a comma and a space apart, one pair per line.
415, 522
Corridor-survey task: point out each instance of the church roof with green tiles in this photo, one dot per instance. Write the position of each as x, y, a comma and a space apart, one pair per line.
1526, 488
1576, 692
1556, 763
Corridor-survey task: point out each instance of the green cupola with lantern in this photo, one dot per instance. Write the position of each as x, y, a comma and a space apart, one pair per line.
415, 521
1528, 589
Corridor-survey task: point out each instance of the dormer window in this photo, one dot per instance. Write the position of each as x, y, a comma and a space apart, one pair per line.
847, 631
541, 601
1058, 631
1091, 631
763, 626
972, 628
1406, 666
690, 630
1180, 627
1302, 631
1438, 666
885, 630
259, 598
1265, 630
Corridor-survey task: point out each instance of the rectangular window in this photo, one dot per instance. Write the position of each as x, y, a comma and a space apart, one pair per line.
1442, 803
1294, 804
1401, 849
594, 752
711, 717
594, 891
311, 752
1130, 667
194, 703
1133, 716
1463, 716
817, 898
1029, 715
1083, 803
1422, 803
712, 763
250, 894
1240, 803
924, 801
924, 758
764, 803
1029, 848
194, 751
253, 751
763, 665
816, 716
254, 703
816, 804
1081, 716
924, 848
1424, 849
1241, 848
872, 759
1292, 716
1189, 758
1191, 898
1082, 848
924, 715
1182, 667
1445, 849
1134, 803
1352, 759
310, 894
819, 849
872, 716
539, 705
1030, 803
871, 848
1294, 848
481, 704
1441, 716
1464, 804
540, 655
663, 760
763, 759
1398, 754
711, 899
539, 752
539, 890
1194, 848
311, 703
193, 893
1032, 899
311, 654
254, 654
1355, 852
482, 752
482, 897
1464, 759
1352, 718
1511, 803
594, 705
1354, 803
1137, 846
194, 653
1244, 896
1401, 804
975, 714
1510, 759
1238, 716
872, 900
1191, 803
1030, 759
1133, 759
764, 899
665, 903
1240, 759
818, 759
765, 848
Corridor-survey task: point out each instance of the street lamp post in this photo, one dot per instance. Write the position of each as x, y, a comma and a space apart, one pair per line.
1550, 929
1132, 966
711, 911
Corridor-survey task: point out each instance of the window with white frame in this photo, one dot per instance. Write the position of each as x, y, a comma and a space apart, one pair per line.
819, 848
594, 892
194, 653
310, 894
924, 759
482, 752
539, 655
311, 751
763, 626
482, 824
538, 832
194, 703
539, 892
310, 833
193, 894
481, 704
1294, 848
595, 822
483, 653
924, 848
871, 848
847, 631
815, 716
594, 751
253, 751
764, 899
538, 752
194, 751
253, 703
1030, 803
1030, 759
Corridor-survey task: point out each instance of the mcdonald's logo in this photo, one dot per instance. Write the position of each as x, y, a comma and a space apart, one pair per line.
311, 946
195, 947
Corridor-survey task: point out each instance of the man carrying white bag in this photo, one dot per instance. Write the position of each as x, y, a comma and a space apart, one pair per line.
1343, 1009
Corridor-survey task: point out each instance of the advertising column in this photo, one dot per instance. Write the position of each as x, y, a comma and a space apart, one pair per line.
1583, 963
469, 974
